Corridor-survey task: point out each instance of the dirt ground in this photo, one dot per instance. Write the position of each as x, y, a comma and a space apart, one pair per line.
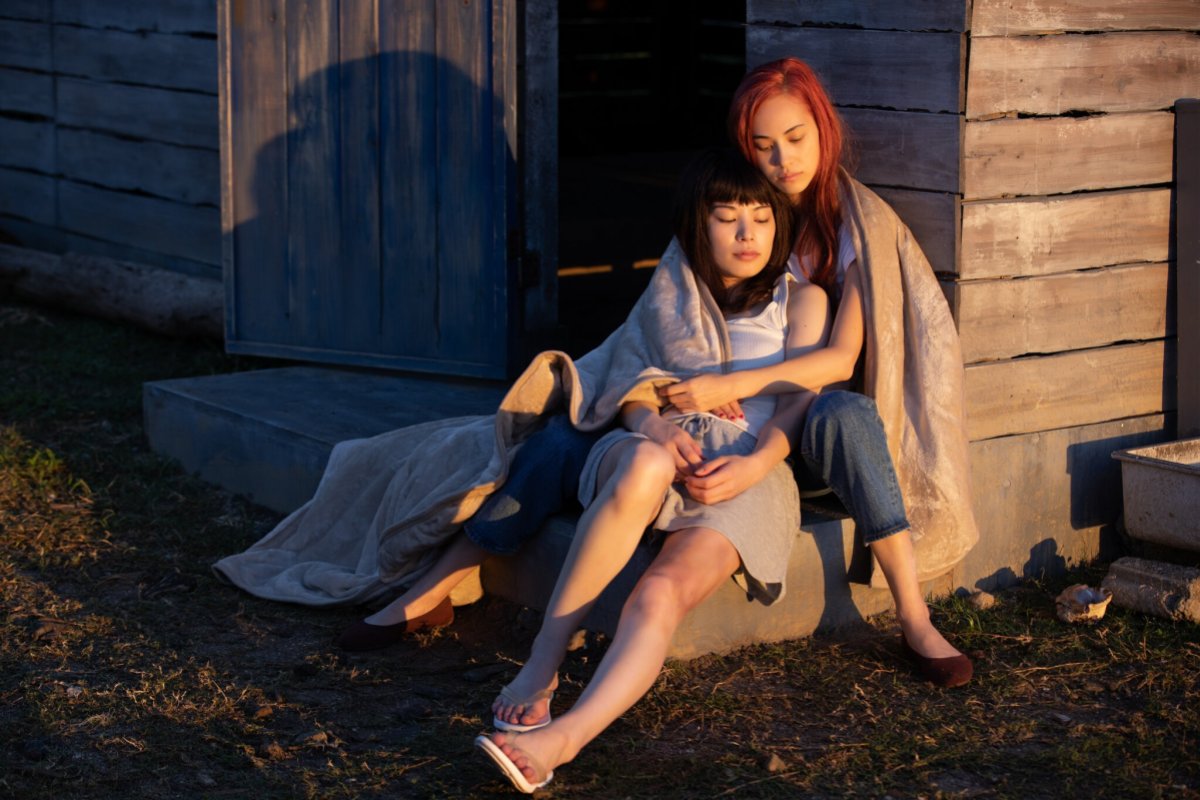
127, 669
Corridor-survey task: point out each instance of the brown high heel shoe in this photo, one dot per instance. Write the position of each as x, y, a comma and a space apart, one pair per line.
362, 636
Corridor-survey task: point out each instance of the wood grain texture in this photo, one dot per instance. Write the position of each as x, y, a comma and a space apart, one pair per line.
254, 183
56, 240
1072, 311
916, 15
27, 92
27, 195
934, 220
539, 168
884, 69
1041, 156
186, 174
1040, 236
1045, 501
163, 16
408, 130
147, 223
36, 10
1076, 72
368, 199
1021, 17
356, 269
152, 59
1069, 389
313, 222
28, 145
472, 272
161, 115
905, 149
25, 45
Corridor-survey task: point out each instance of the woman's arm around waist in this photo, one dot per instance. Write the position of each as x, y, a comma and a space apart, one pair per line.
809, 369
727, 476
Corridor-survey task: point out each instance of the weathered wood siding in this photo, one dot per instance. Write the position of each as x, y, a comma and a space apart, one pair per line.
1029, 144
1065, 293
368, 174
895, 72
108, 130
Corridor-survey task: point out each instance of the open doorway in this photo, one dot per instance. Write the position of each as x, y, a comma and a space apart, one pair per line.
642, 86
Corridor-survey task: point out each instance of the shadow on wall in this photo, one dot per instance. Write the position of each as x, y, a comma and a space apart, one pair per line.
1044, 560
369, 219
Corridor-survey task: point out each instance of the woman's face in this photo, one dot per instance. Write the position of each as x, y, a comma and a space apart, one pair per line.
787, 147
741, 236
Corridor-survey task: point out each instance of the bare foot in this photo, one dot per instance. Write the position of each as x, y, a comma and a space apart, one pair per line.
536, 753
525, 701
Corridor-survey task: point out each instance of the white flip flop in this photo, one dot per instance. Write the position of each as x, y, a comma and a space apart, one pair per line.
517, 727
506, 765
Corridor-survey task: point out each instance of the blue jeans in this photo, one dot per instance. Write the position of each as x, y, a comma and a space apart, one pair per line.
844, 447
543, 479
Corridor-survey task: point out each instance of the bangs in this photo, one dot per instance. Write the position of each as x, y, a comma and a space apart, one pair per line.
737, 182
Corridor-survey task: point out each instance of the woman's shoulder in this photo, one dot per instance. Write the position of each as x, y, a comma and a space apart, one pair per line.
860, 201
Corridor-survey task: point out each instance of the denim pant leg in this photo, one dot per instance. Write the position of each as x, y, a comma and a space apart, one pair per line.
543, 479
844, 446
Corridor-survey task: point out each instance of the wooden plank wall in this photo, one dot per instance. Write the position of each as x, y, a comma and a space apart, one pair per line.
895, 72
108, 130
1065, 276
1029, 146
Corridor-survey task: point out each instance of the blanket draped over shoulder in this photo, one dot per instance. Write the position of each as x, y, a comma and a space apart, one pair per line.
914, 372
386, 504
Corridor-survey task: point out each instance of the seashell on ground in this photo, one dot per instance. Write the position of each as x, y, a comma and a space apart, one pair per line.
1081, 603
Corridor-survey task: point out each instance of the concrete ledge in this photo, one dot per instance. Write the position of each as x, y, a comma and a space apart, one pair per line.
820, 594
267, 434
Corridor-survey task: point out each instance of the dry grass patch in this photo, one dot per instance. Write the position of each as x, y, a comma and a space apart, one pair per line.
127, 669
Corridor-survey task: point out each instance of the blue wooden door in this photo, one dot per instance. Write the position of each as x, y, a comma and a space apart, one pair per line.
368, 181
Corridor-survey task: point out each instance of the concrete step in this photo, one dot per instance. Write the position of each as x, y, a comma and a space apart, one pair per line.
266, 435
820, 594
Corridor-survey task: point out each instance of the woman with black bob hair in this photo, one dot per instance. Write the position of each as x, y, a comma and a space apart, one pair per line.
713, 488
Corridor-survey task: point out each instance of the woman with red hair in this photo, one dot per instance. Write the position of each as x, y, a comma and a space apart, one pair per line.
851, 245
782, 120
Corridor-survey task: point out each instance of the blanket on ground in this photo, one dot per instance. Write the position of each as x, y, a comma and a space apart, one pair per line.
385, 504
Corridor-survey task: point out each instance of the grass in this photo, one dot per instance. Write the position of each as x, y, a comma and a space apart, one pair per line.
127, 668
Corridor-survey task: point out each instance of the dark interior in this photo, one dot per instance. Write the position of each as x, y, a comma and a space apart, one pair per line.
642, 86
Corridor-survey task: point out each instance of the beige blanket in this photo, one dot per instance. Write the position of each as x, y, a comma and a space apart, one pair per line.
914, 371
386, 504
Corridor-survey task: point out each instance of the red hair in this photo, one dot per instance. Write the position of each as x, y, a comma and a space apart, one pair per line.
819, 213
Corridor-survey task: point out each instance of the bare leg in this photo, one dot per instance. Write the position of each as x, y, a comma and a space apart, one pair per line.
634, 477
691, 565
451, 567
895, 556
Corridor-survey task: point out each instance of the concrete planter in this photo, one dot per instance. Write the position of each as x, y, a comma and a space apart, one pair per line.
1161, 487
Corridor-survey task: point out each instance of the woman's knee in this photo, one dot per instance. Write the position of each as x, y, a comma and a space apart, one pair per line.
646, 468
841, 404
840, 415
657, 599
691, 566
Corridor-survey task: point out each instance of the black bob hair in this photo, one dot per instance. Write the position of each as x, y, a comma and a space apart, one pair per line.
722, 175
